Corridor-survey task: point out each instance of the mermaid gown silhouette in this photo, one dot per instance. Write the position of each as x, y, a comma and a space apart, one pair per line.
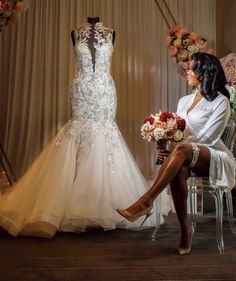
87, 170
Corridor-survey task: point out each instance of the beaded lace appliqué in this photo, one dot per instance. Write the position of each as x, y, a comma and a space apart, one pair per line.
93, 94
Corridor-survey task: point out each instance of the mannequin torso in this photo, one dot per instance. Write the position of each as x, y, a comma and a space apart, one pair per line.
92, 21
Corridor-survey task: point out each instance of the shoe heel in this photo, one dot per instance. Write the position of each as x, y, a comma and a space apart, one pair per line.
146, 217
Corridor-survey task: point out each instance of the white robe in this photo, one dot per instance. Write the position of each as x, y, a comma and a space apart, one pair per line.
205, 124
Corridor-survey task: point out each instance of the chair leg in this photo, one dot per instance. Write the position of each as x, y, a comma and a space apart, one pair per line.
230, 211
218, 196
154, 234
192, 201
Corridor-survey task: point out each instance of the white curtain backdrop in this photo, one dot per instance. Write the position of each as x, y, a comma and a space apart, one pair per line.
37, 68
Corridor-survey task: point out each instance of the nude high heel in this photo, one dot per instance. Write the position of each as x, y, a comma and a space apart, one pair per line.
137, 210
186, 251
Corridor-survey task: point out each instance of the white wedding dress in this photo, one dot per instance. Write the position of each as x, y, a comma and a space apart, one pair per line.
87, 170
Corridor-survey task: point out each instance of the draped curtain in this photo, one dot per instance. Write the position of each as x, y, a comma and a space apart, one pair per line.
37, 67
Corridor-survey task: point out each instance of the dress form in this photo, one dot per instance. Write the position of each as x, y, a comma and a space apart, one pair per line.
92, 21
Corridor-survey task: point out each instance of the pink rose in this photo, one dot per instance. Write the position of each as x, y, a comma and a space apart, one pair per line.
173, 50
168, 40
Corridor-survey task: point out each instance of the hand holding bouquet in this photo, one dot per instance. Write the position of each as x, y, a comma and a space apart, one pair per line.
162, 128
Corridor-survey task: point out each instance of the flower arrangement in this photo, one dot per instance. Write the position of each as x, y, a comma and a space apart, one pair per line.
10, 10
163, 127
232, 94
229, 65
182, 44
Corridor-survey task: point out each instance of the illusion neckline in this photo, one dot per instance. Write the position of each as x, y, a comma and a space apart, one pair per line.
96, 25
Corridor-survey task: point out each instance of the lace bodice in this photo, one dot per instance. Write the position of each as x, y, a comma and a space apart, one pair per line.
93, 47
93, 96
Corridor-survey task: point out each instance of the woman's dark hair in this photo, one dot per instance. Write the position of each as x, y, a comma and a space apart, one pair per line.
210, 74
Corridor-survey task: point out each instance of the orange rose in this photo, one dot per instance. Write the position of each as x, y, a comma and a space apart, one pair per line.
175, 28
194, 36
20, 5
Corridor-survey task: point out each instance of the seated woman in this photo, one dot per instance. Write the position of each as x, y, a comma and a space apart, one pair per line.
206, 112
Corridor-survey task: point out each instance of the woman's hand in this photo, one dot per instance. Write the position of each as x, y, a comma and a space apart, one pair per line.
162, 154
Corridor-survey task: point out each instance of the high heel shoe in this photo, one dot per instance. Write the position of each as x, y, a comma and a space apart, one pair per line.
185, 251
139, 210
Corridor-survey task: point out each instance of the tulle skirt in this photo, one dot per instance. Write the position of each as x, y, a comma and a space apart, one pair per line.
76, 183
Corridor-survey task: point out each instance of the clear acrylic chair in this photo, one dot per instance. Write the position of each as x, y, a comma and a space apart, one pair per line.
198, 185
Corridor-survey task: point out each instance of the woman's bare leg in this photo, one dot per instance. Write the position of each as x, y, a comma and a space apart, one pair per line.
179, 192
175, 171
181, 156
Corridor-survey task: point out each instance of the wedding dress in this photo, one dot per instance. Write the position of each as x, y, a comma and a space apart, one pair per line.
87, 170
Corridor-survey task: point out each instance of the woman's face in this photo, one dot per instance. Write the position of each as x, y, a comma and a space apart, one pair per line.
191, 76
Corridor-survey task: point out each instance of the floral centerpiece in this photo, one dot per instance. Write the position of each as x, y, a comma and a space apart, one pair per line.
232, 94
229, 65
163, 127
182, 44
10, 10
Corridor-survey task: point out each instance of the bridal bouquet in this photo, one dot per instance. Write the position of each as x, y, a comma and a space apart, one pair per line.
162, 128
10, 10
182, 44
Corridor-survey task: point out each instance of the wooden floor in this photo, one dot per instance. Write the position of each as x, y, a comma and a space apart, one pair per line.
118, 255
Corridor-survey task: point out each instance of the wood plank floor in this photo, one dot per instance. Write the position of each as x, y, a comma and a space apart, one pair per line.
119, 255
